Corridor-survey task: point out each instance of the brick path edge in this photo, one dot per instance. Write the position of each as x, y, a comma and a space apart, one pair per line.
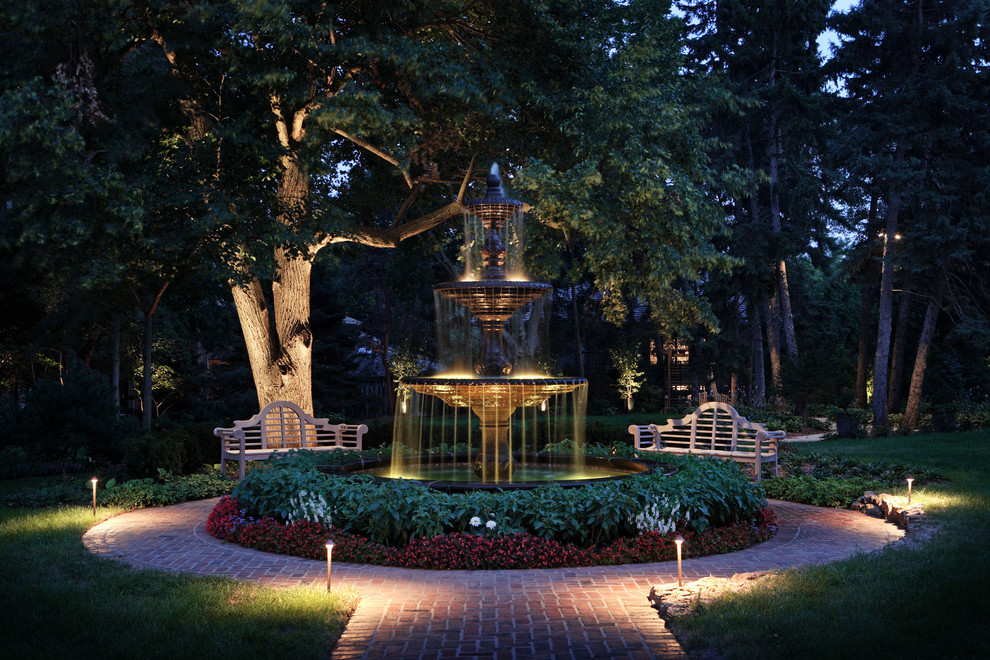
597, 612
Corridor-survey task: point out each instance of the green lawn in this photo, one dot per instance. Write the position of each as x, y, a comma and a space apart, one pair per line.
908, 601
59, 601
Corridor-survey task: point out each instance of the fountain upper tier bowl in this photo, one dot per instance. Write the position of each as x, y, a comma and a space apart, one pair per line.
493, 299
499, 393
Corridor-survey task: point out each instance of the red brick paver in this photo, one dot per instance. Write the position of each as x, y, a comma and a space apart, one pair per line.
542, 613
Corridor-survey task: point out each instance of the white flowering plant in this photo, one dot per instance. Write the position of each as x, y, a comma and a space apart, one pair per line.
659, 514
311, 506
482, 527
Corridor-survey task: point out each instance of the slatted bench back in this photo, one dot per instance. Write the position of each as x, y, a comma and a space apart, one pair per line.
713, 428
283, 425
349, 436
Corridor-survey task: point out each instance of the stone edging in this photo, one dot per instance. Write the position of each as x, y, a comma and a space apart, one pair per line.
894, 508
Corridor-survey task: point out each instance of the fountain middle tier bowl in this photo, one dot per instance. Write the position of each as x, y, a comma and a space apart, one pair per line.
454, 473
495, 299
501, 393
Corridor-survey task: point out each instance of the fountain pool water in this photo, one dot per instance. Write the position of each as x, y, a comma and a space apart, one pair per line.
516, 415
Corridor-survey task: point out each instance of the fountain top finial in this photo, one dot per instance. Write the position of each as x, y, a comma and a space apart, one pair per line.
494, 205
494, 182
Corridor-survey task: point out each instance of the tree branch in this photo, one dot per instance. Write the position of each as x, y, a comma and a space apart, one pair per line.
375, 150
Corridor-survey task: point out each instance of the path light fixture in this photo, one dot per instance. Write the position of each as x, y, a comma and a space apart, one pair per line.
94, 480
329, 552
679, 540
910, 480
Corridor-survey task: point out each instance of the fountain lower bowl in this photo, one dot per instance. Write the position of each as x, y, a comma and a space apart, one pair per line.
455, 473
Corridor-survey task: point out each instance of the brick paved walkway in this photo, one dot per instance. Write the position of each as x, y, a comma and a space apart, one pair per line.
541, 613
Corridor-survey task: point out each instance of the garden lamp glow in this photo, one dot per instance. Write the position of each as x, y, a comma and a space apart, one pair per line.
329, 553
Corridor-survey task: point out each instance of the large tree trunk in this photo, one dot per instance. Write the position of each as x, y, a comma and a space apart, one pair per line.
881, 363
900, 343
147, 314
774, 150
115, 370
280, 349
147, 381
866, 313
910, 420
773, 343
780, 275
862, 364
786, 315
759, 381
578, 342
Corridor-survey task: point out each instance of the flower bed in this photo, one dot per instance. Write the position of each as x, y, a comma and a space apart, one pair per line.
482, 550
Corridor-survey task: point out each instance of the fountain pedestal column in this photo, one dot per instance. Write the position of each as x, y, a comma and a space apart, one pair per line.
494, 463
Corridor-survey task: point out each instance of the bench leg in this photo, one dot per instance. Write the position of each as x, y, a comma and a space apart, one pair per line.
758, 460
241, 461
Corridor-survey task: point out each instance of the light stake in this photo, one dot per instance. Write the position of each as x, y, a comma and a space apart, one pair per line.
679, 540
329, 552
94, 480
910, 481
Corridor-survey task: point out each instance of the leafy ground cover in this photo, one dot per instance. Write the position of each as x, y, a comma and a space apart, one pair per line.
919, 600
464, 550
58, 600
43, 492
825, 479
288, 506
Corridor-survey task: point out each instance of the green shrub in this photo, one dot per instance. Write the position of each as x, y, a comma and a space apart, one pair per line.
973, 415
379, 434
70, 419
140, 493
177, 447
600, 433
773, 419
824, 466
147, 453
836, 492
702, 494
58, 492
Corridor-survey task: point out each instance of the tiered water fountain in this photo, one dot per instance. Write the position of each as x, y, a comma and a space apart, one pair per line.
494, 394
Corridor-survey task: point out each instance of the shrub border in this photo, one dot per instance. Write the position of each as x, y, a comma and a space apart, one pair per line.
463, 551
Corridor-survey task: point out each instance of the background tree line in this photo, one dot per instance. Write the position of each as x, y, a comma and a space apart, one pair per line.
195, 195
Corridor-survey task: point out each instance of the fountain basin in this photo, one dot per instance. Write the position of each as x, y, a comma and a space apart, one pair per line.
502, 393
455, 473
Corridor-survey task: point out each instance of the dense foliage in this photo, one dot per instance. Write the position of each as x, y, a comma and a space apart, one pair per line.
702, 494
478, 550
138, 493
802, 219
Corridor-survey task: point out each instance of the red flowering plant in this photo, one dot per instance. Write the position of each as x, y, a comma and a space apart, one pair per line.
461, 550
290, 507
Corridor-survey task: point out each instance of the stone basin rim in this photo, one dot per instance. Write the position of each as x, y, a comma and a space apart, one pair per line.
491, 380
635, 466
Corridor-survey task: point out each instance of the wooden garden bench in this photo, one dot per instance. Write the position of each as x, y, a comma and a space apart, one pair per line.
280, 427
714, 429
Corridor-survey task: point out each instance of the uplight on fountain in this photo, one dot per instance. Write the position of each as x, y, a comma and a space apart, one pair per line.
508, 407
493, 396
